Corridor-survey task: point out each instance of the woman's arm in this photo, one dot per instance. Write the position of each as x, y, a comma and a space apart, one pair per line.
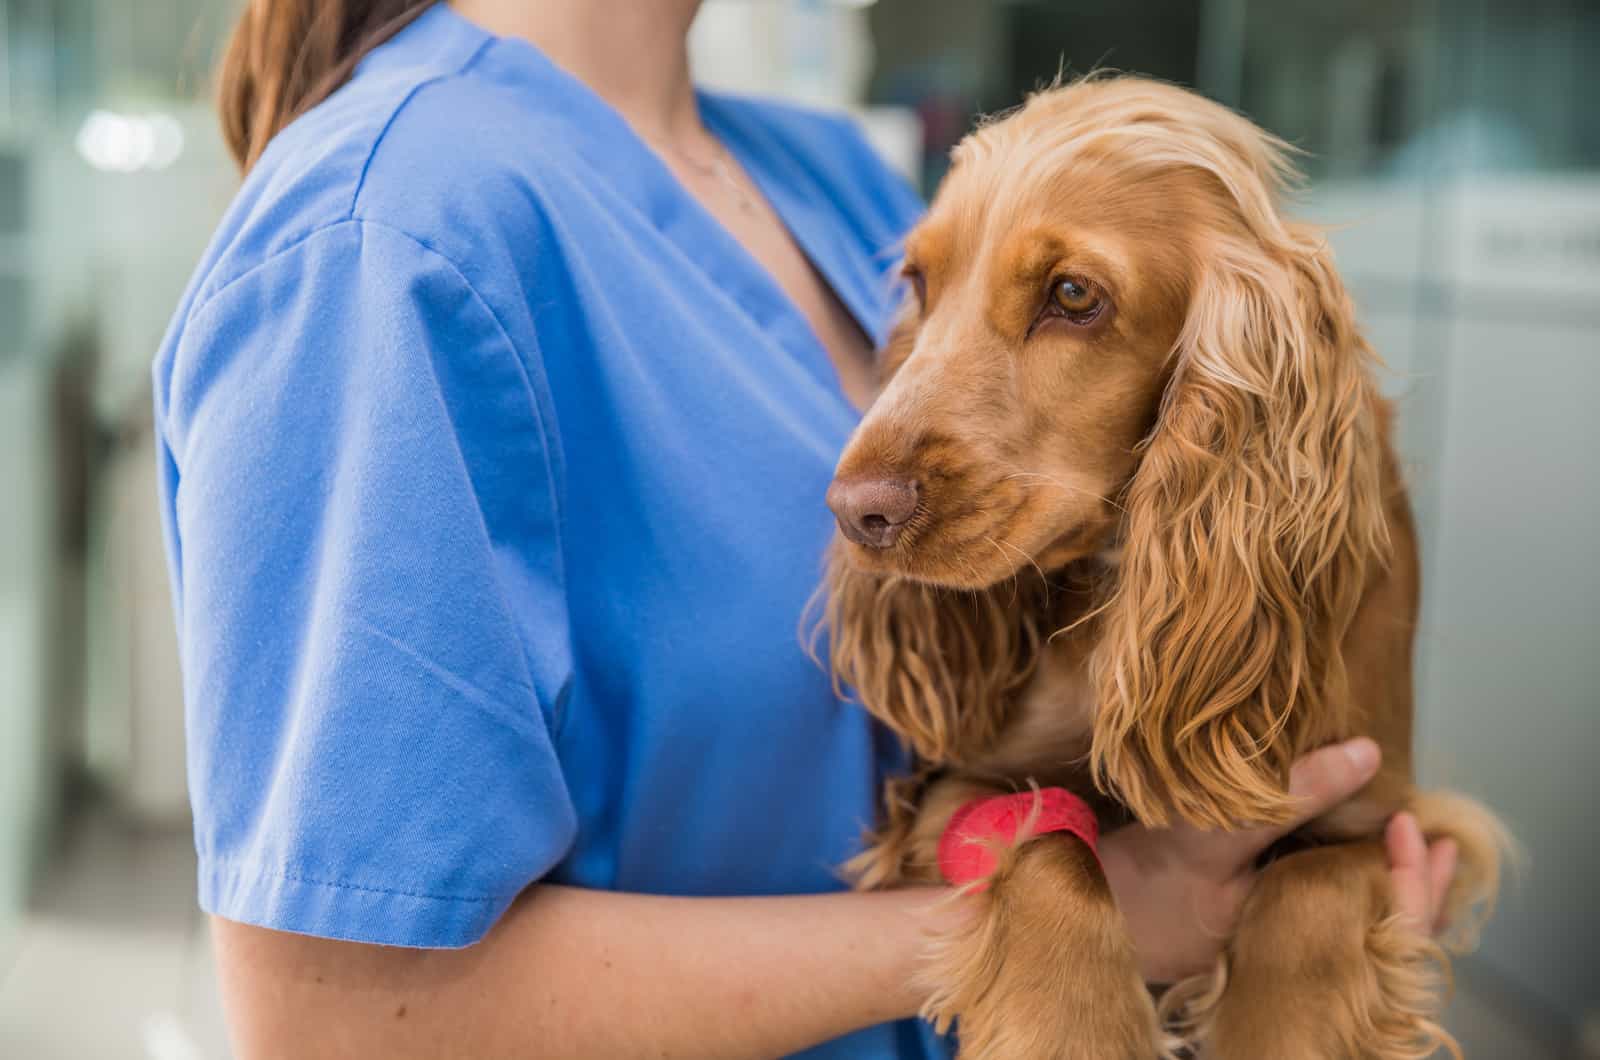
571, 973
577, 973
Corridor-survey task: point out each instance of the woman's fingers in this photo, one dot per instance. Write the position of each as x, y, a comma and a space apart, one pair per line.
1322, 780
1411, 871
1442, 857
1328, 776
1318, 782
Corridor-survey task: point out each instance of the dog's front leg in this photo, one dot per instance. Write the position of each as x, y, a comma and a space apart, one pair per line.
1320, 967
1041, 964
1044, 967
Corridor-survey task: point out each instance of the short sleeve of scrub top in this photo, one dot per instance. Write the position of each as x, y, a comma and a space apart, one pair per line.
492, 472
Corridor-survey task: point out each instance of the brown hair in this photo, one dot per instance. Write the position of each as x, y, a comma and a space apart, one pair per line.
286, 56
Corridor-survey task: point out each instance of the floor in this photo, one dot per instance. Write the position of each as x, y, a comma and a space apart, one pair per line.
113, 964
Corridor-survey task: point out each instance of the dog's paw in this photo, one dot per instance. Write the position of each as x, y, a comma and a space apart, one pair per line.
1044, 968
1390, 1014
1302, 978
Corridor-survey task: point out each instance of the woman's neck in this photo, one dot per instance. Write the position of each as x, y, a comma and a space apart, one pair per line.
632, 53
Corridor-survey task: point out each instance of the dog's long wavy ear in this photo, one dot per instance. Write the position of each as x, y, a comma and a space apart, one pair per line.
1252, 523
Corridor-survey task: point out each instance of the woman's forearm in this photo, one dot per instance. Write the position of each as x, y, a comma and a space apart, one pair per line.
576, 973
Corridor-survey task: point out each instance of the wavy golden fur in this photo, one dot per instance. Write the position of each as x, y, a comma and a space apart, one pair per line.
1159, 548
1251, 527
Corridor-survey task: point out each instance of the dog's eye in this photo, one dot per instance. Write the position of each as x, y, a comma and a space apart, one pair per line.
1076, 299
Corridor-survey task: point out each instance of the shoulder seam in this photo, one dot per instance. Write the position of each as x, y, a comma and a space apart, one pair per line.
204, 302
547, 443
205, 297
377, 141
199, 310
532, 393
535, 409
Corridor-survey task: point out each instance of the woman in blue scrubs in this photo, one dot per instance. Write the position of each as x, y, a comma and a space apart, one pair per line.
495, 427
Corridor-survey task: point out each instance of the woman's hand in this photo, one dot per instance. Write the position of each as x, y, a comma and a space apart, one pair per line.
1181, 888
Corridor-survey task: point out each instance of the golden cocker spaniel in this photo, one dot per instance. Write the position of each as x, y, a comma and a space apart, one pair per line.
1126, 518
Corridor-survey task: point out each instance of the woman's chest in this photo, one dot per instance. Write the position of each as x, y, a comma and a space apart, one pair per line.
760, 230
698, 439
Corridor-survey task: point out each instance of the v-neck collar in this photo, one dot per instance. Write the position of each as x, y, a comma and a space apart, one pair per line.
622, 158
820, 238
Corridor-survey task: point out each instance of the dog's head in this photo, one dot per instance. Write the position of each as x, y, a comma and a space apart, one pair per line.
1113, 346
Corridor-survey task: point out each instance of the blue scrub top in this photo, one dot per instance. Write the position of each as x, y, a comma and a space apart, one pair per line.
493, 474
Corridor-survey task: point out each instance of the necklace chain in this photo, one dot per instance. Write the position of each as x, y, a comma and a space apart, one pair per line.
718, 166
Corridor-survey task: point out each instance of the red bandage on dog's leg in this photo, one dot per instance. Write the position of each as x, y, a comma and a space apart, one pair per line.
967, 850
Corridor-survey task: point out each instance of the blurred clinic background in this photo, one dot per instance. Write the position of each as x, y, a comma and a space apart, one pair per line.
1455, 144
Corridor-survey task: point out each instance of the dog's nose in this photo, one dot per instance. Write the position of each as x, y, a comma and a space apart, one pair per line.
872, 511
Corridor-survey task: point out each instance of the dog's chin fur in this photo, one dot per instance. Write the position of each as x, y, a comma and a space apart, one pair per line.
998, 563
922, 567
